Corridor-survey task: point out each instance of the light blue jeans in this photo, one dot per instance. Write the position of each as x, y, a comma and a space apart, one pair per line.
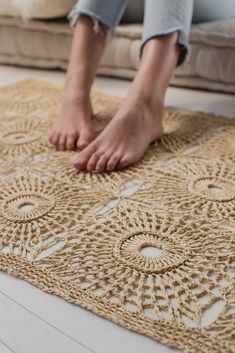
160, 17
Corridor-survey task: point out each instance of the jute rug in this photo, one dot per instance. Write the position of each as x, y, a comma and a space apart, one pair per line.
87, 237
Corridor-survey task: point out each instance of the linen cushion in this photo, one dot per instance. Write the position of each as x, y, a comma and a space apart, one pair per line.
46, 44
36, 8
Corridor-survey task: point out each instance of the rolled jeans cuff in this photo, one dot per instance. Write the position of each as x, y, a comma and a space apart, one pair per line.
169, 17
106, 12
183, 43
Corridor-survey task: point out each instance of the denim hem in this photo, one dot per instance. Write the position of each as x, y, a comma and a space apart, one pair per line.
74, 15
184, 49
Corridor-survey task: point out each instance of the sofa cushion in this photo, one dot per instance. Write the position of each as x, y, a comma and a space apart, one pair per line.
36, 8
212, 52
210, 65
46, 44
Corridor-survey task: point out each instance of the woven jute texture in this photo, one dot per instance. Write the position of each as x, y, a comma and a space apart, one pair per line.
87, 237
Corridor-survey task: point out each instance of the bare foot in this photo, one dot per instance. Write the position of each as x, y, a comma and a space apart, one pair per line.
125, 139
73, 127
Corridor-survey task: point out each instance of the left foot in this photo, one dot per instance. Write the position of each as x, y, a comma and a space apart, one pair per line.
125, 139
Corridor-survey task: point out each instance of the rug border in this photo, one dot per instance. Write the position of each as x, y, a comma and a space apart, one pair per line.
157, 330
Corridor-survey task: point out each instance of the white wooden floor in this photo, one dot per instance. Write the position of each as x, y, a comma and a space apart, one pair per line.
32, 321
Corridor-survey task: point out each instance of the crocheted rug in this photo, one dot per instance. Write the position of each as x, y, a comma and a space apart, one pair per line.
150, 247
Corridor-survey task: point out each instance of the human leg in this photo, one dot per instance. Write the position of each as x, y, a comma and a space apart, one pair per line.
138, 122
92, 20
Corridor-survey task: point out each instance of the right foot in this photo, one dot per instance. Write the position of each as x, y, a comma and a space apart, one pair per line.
126, 138
73, 127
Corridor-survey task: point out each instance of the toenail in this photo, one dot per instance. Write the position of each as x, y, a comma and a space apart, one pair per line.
83, 144
98, 169
78, 162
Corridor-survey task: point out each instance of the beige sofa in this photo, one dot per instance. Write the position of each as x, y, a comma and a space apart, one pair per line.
45, 43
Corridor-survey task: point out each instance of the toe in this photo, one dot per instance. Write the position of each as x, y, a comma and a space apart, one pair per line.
62, 142
50, 135
127, 160
55, 138
71, 139
123, 163
80, 163
83, 157
101, 163
91, 164
85, 138
112, 162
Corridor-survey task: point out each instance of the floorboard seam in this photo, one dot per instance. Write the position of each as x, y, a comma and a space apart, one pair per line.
7, 346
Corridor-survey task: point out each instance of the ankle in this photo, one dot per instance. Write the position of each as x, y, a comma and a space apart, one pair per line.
150, 101
75, 91
77, 98
75, 82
